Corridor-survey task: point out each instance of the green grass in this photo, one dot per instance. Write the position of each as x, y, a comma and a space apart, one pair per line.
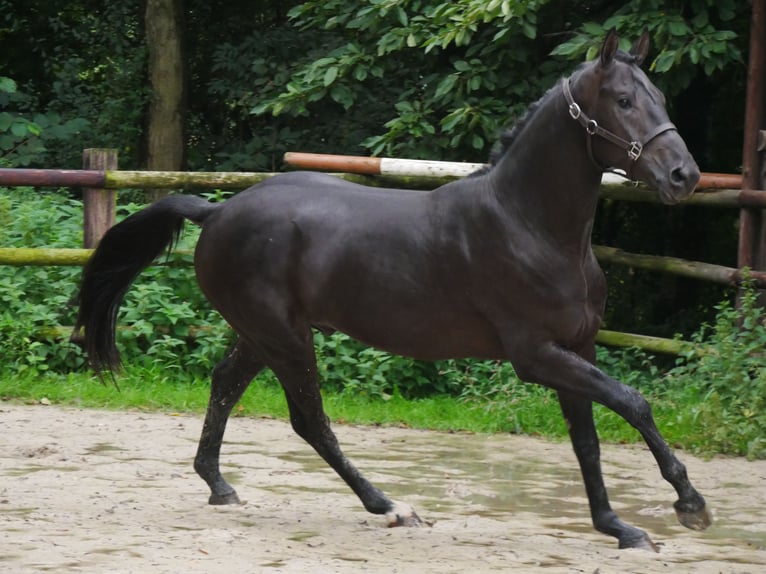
535, 411
141, 389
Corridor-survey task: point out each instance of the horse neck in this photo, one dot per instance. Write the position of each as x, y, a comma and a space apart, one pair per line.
547, 178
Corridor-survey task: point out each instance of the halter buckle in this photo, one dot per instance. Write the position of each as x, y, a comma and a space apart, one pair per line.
574, 110
634, 150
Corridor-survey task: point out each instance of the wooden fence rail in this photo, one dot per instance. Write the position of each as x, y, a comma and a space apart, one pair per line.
65, 257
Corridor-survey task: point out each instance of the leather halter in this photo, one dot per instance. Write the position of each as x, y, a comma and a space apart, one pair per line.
634, 148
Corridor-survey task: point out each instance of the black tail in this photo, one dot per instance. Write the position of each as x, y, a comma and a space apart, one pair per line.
124, 251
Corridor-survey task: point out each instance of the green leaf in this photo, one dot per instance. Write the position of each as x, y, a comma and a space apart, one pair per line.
664, 61
450, 121
445, 86
19, 129
402, 16
678, 28
694, 54
330, 75
568, 48
593, 29
34, 129
462, 66
7, 85
6, 120
343, 95
500, 34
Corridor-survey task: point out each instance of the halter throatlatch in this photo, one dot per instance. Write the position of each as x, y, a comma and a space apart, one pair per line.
634, 148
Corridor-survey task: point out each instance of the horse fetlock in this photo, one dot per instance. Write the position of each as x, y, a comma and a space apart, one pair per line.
402, 515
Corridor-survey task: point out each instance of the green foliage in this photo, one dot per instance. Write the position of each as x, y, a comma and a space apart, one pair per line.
32, 299
24, 141
346, 366
79, 68
464, 73
451, 74
416, 78
161, 310
726, 380
687, 35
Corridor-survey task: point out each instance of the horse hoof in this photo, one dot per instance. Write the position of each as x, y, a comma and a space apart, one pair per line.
222, 499
696, 520
642, 542
402, 515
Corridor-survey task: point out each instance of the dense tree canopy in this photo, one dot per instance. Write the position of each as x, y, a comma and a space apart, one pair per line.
417, 78
431, 79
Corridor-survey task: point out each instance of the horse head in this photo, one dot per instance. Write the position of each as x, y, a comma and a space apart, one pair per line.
626, 121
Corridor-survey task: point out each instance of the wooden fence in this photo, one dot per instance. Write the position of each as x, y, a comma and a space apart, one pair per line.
100, 180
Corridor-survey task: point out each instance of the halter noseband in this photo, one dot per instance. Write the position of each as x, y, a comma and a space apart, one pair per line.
634, 148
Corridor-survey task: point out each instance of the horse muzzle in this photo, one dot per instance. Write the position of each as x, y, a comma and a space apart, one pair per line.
667, 166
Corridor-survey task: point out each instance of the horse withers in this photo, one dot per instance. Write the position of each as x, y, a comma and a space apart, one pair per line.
494, 266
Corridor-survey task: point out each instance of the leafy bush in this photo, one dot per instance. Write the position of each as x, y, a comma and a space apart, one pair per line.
725, 380
167, 318
350, 367
25, 141
685, 44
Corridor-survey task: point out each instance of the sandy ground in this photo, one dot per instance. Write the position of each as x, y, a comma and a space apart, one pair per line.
97, 491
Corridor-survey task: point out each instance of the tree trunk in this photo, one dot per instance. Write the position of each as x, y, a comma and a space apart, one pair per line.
165, 133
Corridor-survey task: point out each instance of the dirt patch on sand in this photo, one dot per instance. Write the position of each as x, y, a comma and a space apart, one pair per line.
97, 491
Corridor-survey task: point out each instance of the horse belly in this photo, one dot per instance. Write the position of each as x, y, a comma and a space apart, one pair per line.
419, 328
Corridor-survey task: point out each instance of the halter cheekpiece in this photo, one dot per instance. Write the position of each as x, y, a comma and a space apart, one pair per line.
634, 148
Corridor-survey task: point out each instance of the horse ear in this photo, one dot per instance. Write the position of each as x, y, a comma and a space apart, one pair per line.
640, 48
609, 47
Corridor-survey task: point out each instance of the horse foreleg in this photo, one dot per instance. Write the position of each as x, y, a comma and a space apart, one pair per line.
578, 413
310, 422
231, 378
565, 371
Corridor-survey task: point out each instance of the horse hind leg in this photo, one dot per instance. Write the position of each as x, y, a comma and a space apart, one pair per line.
230, 379
578, 413
297, 373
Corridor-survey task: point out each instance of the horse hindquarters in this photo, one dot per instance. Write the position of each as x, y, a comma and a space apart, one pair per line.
259, 303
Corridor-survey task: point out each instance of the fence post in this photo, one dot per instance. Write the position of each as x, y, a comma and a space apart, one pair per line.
98, 204
752, 222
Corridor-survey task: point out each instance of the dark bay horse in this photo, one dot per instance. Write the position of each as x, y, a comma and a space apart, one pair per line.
498, 266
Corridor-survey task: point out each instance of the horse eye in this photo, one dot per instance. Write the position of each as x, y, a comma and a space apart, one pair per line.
624, 103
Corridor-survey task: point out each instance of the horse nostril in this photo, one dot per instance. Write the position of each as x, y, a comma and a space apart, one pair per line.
678, 176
